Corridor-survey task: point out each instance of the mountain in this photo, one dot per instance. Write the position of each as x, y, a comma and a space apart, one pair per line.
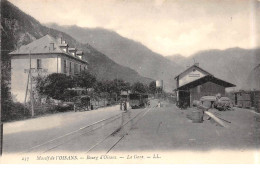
234, 64
126, 52
19, 29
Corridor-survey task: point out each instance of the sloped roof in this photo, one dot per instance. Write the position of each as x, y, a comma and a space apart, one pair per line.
42, 46
191, 68
39, 46
204, 80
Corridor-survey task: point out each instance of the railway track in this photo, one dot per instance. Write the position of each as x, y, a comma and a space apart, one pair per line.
107, 145
76, 133
87, 132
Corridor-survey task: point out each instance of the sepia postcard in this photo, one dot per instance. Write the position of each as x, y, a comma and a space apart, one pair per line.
130, 82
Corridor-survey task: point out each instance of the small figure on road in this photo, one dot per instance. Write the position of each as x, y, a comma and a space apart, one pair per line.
148, 103
121, 103
125, 106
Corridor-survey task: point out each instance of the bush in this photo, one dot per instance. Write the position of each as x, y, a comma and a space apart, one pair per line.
16, 111
45, 109
64, 108
49, 109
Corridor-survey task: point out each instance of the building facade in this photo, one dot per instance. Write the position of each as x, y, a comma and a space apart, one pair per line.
44, 56
194, 83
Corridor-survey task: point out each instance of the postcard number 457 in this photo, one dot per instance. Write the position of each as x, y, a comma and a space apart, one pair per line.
26, 159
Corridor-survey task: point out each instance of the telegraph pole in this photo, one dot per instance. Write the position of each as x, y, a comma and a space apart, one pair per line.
116, 85
31, 81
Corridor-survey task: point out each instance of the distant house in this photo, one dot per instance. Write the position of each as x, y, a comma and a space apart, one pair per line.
48, 55
194, 82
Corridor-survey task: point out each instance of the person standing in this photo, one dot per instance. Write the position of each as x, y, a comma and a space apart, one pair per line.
125, 106
121, 103
159, 104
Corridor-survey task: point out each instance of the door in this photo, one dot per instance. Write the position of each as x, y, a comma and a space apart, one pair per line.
184, 98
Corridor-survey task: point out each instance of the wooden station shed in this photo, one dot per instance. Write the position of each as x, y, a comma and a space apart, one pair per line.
194, 83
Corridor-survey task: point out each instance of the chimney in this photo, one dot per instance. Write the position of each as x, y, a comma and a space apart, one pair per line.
79, 54
73, 51
60, 40
196, 64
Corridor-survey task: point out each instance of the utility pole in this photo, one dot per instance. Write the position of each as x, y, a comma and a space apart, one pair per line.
29, 79
57, 64
116, 85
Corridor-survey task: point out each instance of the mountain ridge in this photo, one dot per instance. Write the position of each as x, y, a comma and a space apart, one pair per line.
232, 64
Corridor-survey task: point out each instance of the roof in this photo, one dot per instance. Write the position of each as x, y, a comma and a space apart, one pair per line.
204, 80
42, 46
39, 46
190, 68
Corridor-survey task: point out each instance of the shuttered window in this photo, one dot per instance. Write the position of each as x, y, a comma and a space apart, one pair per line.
70, 67
39, 63
64, 66
75, 68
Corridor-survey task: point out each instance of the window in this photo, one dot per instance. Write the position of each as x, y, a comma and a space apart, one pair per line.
70, 67
39, 63
65, 67
75, 68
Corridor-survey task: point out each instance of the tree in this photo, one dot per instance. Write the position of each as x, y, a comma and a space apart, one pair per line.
122, 85
85, 79
152, 87
54, 85
139, 88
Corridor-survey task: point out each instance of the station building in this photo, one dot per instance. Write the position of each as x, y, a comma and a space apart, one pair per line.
46, 55
195, 82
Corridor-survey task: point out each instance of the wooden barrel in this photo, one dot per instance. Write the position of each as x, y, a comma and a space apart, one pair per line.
197, 116
196, 103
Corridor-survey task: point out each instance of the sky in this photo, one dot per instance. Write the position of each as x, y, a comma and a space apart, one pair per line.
167, 27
